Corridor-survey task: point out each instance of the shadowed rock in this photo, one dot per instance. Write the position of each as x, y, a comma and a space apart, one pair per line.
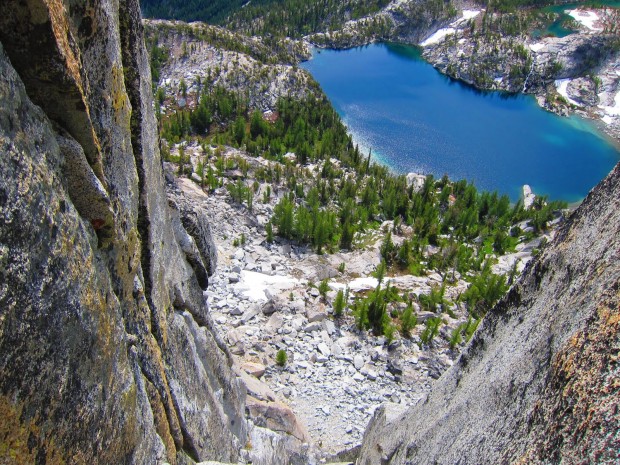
85, 190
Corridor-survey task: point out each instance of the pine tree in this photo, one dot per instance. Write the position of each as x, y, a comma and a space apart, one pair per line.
339, 304
408, 320
281, 357
239, 129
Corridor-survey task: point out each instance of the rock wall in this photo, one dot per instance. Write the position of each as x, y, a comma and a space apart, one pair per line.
108, 355
108, 351
538, 384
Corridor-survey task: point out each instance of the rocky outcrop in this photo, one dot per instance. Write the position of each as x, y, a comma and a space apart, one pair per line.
201, 55
586, 62
577, 54
514, 65
276, 416
191, 227
405, 21
108, 355
538, 383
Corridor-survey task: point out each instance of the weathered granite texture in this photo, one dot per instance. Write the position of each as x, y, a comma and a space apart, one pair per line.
539, 382
193, 231
108, 354
107, 350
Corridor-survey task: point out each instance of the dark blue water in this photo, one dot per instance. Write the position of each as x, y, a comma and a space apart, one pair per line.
417, 120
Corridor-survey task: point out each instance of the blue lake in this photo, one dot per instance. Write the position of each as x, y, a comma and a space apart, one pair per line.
417, 120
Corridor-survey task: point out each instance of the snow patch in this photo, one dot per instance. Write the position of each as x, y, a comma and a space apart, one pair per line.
438, 36
253, 284
537, 47
441, 34
469, 14
585, 17
362, 284
562, 87
611, 111
614, 110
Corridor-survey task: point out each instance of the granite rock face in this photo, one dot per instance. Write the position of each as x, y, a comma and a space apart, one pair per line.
539, 382
198, 244
108, 353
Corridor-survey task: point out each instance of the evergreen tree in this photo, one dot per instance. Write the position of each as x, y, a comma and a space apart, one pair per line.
239, 129
339, 304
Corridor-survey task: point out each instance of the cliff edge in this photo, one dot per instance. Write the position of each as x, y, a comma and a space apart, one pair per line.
538, 384
108, 355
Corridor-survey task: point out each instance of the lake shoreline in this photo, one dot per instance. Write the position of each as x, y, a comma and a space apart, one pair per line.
400, 165
542, 87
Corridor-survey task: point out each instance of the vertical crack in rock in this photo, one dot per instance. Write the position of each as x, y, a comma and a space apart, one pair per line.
90, 335
38, 40
130, 28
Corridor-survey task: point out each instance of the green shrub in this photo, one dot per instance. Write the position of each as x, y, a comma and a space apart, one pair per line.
324, 288
389, 331
431, 329
269, 231
408, 320
471, 327
457, 335
339, 303
434, 301
281, 357
484, 291
360, 314
380, 271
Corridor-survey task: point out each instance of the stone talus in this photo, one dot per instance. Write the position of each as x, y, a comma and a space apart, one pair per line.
538, 383
109, 354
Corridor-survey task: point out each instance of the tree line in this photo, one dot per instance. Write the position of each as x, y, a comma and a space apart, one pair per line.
444, 226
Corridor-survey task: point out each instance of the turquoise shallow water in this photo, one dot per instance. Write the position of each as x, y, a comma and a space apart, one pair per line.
417, 120
571, 6
557, 28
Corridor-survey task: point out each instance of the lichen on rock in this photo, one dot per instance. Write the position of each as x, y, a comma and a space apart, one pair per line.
537, 382
101, 311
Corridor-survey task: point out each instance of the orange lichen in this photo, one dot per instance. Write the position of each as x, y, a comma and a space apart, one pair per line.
21, 440
577, 422
161, 421
60, 26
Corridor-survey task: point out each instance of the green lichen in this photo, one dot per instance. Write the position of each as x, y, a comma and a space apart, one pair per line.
120, 101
